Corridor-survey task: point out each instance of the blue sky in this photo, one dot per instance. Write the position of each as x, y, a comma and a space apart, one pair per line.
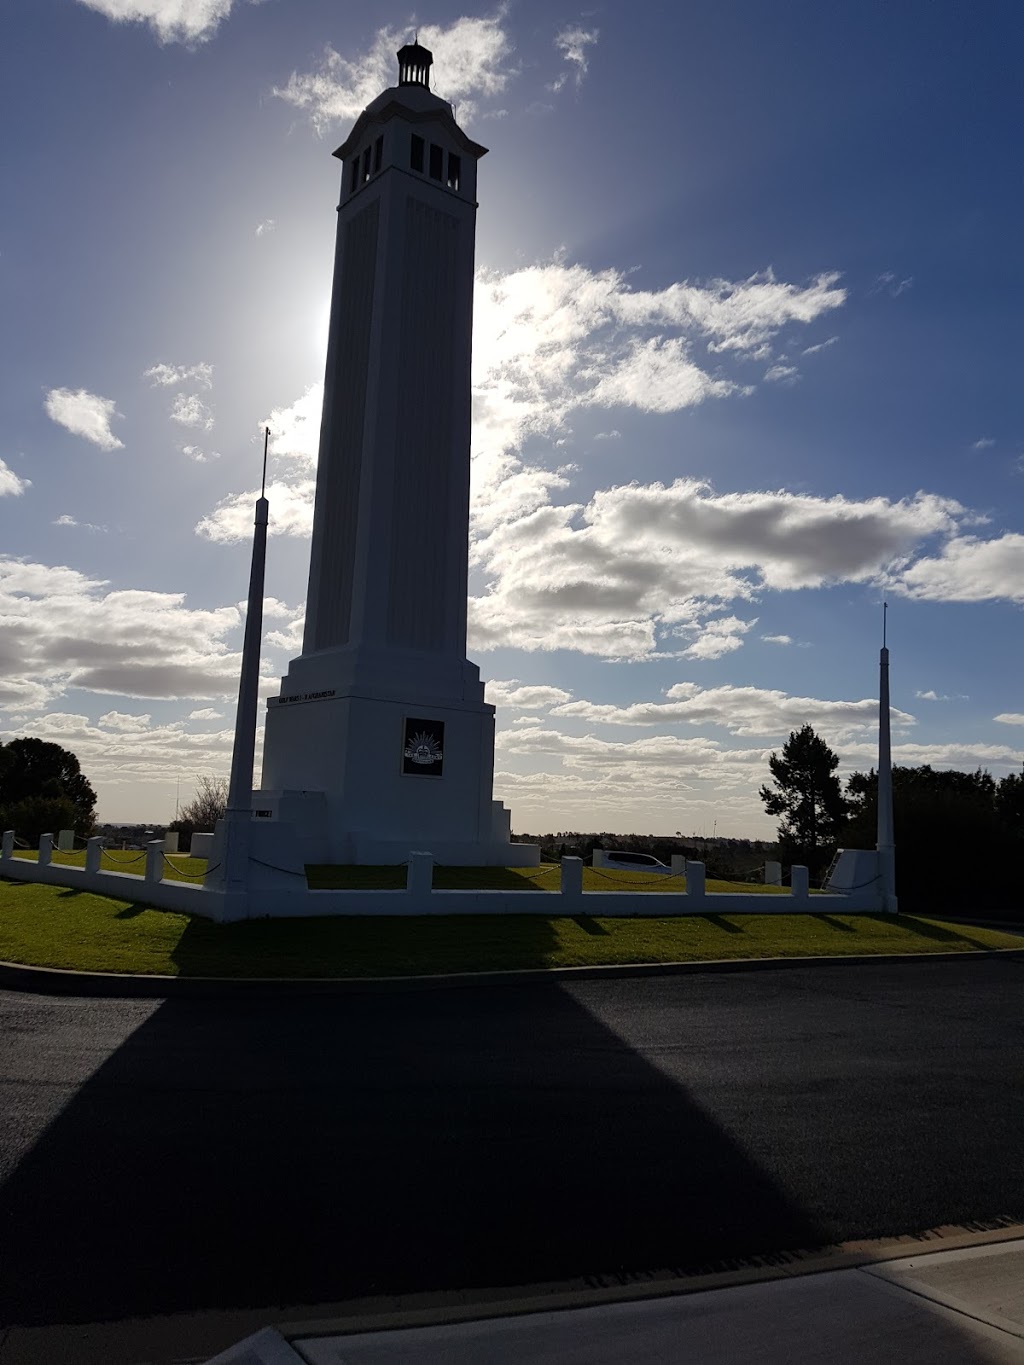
747, 360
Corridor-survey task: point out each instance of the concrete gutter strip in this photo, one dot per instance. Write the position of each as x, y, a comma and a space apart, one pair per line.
431, 1310
196, 1336
57, 981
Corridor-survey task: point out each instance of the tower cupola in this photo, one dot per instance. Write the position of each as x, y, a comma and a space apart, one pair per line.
414, 64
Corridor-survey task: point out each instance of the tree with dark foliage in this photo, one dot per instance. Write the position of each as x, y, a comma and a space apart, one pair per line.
942, 815
806, 793
43, 790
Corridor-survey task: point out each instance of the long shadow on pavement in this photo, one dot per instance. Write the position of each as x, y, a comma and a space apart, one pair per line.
287, 1152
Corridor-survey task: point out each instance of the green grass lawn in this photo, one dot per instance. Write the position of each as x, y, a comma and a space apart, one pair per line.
60, 927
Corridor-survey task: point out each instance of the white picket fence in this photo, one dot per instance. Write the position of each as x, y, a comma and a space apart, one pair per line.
419, 896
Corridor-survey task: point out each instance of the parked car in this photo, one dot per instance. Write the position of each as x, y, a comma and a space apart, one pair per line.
627, 861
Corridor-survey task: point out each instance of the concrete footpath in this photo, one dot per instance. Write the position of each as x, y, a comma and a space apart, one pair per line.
964, 1306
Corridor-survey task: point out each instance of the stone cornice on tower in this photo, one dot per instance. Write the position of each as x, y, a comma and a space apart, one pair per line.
395, 103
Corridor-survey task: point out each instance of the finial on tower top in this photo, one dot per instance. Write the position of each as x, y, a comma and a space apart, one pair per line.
414, 63
885, 618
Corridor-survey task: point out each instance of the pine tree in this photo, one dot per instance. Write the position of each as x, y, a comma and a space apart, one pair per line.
806, 792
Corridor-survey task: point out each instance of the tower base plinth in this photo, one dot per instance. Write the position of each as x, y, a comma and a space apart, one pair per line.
362, 780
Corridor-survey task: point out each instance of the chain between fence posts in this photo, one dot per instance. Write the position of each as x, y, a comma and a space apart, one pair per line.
649, 879
122, 862
544, 872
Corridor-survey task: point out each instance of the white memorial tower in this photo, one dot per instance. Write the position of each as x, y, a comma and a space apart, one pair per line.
380, 742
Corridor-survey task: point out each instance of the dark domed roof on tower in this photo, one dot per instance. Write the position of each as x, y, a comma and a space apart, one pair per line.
414, 64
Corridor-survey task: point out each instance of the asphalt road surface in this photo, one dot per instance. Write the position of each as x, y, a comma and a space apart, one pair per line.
167, 1156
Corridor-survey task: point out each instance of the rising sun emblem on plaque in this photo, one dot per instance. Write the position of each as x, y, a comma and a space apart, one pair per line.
423, 749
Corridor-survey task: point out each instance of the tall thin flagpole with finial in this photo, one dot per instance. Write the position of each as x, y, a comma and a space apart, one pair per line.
232, 875
886, 845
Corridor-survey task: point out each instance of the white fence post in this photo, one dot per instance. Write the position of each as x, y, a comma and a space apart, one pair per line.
8, 846
799, 883
695, 881
678, 864
66, 841
155, 860
45, 849
93, 853
419, 880
572, 878
773, 874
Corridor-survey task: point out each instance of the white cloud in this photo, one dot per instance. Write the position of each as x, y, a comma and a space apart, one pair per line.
968, 570
472, 61
60, 629
174, 376
295, 429
190, 410
290, 636
115, 753
266, 226
590, 781
572, 42
655, 375
66, 519
781, 374
637, 562
821, 346
950, 755
291, 513
668, 753
84, 414
524, 695
206, 713
1009, 718
199, 455
740, 710
553, 338
720, 636
777, 639
608, 436
890, 283
273, 609
125, 722
983, 443
173, 21
550, 339
11, 484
